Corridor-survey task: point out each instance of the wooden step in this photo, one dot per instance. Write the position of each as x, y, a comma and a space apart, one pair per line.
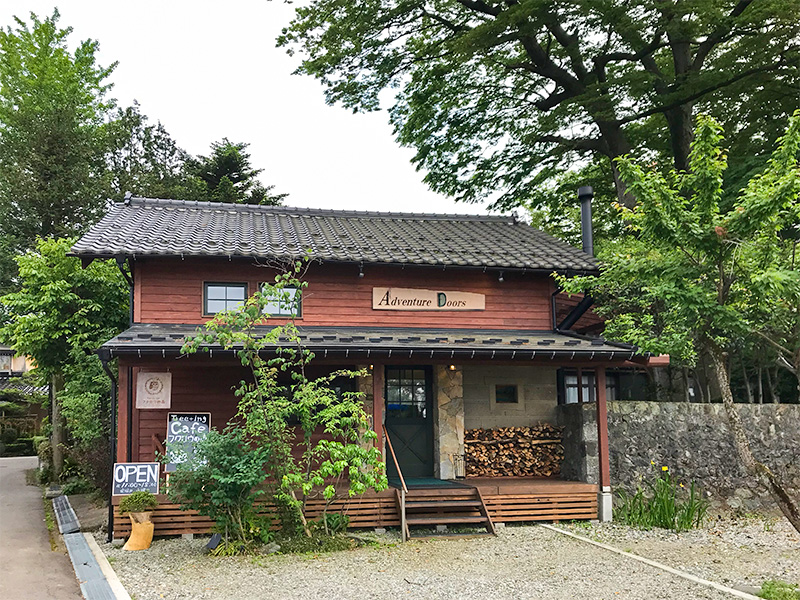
411, 503
444, 520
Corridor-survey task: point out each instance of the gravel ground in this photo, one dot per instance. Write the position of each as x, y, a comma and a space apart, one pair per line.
740, 553
521, 562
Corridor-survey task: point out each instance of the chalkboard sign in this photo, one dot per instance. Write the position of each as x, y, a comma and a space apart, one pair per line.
135, 477
183, 431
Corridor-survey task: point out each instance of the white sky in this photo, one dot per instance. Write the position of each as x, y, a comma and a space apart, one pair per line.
209, 69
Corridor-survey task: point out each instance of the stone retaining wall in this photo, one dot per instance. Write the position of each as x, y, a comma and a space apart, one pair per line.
693, 440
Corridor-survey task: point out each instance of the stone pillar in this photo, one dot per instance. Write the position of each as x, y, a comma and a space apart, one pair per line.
449, 424
365, 388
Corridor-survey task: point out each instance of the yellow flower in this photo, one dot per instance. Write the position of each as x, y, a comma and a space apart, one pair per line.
681, 485
652, 462
665, 468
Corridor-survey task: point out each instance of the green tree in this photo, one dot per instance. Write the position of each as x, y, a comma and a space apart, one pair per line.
52, 106
142, 158
701, 268
497, 97
60, 312
229, 176
270, 406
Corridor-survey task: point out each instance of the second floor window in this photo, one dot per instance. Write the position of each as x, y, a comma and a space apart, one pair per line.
218, 297
285, 302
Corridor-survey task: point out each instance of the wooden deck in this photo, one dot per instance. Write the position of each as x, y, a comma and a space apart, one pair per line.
507, 500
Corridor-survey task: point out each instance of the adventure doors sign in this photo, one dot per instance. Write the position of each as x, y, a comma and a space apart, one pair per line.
135, 477
183, 431
407, 299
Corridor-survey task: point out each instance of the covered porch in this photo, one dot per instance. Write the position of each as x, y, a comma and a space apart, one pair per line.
425, 392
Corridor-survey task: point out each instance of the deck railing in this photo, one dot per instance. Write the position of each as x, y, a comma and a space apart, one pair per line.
403, 489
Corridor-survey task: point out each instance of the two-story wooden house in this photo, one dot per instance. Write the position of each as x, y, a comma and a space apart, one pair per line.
454, 317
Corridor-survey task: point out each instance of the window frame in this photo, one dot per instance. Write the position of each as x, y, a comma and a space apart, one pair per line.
589, 381
286, 315
227, 284
514, 402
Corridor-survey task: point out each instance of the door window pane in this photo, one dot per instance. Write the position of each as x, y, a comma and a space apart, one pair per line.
406, 393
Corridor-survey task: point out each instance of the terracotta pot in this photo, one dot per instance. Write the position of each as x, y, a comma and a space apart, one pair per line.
141, 531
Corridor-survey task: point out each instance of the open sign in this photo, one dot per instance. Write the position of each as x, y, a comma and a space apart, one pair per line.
135, 477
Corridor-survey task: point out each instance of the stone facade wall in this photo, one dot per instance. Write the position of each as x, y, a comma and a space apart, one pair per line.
537, 390
448, 420
693, 440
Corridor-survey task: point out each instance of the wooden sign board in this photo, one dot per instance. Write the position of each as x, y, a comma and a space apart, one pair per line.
153, 390
183, 431
390, 298
135, 477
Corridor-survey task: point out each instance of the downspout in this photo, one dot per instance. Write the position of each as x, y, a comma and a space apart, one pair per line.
105, 357
120, 260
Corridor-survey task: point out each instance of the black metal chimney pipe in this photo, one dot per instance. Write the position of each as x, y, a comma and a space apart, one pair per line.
585, 195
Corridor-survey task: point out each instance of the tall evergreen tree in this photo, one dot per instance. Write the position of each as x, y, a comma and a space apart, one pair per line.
52, 106
229, 176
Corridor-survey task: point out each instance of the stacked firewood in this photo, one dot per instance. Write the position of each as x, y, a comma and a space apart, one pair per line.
535, 451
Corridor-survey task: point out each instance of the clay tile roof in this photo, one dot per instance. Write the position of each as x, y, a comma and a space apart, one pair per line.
143, 226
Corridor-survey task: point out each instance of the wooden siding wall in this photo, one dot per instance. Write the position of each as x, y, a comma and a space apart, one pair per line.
169, 290
194, 389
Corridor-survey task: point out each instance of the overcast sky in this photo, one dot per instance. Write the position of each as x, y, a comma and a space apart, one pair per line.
209, 69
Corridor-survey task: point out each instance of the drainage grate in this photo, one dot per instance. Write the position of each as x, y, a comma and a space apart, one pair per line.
66, 517
94, 585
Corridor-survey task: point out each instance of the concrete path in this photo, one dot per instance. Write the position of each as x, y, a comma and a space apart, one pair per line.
29, 569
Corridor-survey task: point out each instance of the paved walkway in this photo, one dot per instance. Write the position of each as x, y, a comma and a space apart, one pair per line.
30, 569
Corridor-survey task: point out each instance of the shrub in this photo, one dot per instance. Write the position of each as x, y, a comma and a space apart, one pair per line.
138, 502
9, 435
78, 486
666, 504
93, 463
333, 523
779, 590
221, 481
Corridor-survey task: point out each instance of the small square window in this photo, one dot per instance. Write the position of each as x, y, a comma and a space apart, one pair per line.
506, 394
287, 302
219, 297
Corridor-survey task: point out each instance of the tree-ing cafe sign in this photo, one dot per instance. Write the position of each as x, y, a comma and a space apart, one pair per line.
390, 298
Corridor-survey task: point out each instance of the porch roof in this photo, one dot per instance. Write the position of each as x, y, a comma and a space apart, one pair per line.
401, 343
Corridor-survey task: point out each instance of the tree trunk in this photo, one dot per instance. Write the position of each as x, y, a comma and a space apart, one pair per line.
681, 133
58, 437
759, 471
615, 145
772, 382
747, 385
699, 385
686, 394
760, 385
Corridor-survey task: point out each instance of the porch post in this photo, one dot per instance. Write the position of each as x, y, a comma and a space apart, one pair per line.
378, 373
604, 498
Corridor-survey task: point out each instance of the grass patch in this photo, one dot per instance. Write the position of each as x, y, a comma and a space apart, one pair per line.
50, 521
775, 589
302, 544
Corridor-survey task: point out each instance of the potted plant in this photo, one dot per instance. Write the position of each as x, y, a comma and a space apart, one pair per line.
139, 507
